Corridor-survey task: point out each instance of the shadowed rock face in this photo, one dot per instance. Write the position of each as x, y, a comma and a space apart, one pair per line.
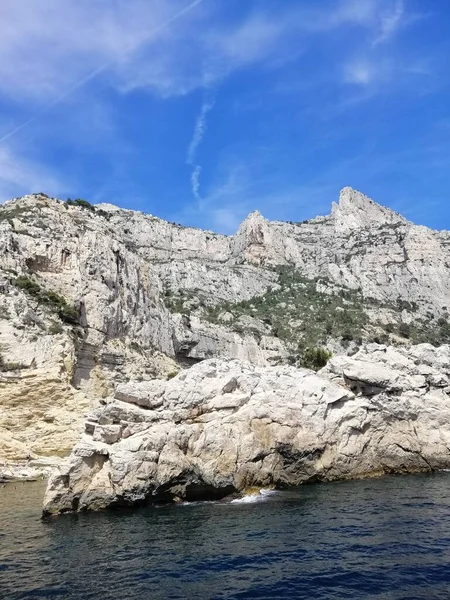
223, 426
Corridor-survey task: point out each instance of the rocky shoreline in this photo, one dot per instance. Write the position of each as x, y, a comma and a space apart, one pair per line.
30, 470
190, 351
92, 297
224, 426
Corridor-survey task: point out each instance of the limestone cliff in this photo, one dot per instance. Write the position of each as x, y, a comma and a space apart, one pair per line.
223, 426
92, 296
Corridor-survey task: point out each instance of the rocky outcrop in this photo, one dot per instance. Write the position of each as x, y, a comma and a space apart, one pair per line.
41, 413
42, 404
223, 426
140, 295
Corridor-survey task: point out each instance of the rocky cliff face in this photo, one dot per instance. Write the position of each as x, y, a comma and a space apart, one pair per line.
94, 296
223, 426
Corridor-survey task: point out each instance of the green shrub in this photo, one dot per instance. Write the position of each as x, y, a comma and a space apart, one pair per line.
8, 213
303, 314
66, 312
69, 314
380, 339
298, 312
102, 213
55, 328
80, 202
315, 358
28, 285
404, 330
405, 305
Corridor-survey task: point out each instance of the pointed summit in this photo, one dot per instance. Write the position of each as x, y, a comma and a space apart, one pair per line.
350, 198
252, 235
253, 224
356, 210
254, 215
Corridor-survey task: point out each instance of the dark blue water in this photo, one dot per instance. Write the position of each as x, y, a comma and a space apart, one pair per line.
387, 538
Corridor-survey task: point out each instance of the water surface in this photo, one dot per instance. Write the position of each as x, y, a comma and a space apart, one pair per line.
385, 538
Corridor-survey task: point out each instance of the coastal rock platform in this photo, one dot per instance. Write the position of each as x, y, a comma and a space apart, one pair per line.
223, 426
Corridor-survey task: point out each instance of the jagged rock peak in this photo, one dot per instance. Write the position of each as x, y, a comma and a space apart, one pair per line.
254, 213
251, 237
357, 210
254, 217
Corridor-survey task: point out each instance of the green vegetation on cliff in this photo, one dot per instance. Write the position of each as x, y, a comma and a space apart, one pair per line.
66, 312
310, 314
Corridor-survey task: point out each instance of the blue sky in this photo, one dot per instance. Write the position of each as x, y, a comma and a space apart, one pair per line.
200, 112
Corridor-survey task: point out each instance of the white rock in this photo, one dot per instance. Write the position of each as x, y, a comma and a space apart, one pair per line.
225, 425
118, 265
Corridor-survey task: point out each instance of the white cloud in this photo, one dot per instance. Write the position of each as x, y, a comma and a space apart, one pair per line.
203, 54
258, 39
51, 48
370, 64
50, 45
390, 21
345, 12
359, 72
249, 42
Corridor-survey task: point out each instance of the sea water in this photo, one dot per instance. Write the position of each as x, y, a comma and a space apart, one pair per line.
386, 538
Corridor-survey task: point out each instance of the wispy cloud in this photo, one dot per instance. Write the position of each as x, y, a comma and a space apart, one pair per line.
177, 65
119, 52
195, 182
200, 128
63, 58
160, 45
359, 72
239, 191
371, 63
390, 22
199, 132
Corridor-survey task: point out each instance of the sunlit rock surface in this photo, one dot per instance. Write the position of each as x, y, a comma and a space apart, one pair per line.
223, 426
122, 272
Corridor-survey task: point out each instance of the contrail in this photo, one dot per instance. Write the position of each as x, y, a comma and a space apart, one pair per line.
99, 70
195, 182
199, 132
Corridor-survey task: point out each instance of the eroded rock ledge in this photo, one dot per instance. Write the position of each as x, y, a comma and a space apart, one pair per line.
223, 426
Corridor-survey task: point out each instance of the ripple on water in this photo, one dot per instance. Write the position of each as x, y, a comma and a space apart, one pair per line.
386, 538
